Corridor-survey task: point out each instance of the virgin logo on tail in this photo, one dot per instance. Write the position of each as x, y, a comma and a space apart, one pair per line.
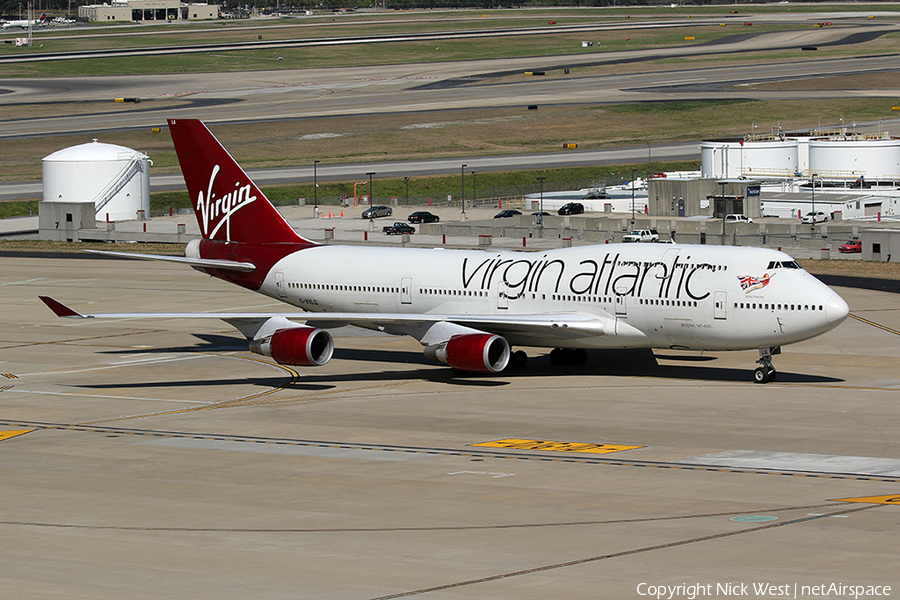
215, 212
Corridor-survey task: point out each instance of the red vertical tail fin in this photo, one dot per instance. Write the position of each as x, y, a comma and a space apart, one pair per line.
228, 205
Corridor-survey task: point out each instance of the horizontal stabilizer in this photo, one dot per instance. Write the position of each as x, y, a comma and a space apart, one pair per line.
206, 263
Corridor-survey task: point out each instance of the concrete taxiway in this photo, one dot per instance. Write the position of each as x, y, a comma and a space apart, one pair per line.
151, 459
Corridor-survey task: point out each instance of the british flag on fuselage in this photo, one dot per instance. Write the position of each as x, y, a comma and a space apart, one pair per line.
749, 283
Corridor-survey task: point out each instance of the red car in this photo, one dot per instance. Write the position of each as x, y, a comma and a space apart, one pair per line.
851, 247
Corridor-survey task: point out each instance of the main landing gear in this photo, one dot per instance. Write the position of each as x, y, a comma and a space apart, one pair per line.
568, 356
766, 371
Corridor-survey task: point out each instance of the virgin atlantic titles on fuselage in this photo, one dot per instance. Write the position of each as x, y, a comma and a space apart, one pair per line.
469, 307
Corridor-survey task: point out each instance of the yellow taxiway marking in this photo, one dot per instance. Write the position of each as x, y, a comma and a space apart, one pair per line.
515, 444
5, 435
873, 499
874, 324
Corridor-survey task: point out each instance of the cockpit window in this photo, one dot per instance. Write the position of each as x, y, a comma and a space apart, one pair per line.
787, 264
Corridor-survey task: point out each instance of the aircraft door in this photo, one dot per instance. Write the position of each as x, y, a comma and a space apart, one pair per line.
621, 307
720, 306
279, 284
503, 295
406, 290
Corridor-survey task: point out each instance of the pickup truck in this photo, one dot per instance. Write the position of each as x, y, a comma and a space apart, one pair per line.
399, 228
641, 235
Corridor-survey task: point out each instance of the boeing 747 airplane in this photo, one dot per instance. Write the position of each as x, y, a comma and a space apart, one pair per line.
469, 308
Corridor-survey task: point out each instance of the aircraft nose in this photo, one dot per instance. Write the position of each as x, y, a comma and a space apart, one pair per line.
836, 310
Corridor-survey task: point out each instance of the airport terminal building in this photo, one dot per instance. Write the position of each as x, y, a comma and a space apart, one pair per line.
148, 10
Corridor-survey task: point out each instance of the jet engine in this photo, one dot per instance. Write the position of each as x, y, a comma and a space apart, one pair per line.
472, 353
300, 346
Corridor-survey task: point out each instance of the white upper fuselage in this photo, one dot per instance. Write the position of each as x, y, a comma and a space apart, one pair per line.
21, 24
676, 296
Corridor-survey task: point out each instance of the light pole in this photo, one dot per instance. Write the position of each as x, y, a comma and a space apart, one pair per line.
462, 173
474, 192
632, 198
813, 200
315, 185
541, 211
371, 195
406, 179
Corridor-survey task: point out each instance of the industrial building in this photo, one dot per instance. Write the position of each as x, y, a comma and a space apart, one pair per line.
148, 10
691, 197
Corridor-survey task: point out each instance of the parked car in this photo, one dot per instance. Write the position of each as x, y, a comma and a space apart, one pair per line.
572, 208
377, 211
399, 228
814, 217
737, 219
503, 214
641, 235
423, 216
851, 247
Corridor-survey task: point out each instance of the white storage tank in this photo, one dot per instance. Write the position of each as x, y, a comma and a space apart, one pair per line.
730, 159
114, 178
855, 156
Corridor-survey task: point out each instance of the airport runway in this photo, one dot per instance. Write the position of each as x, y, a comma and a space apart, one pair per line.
308, 93
160, 459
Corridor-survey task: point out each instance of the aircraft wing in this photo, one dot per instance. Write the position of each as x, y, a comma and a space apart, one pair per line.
559, 326
209, 263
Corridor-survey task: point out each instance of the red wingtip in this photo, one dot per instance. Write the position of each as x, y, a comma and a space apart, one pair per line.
60, 309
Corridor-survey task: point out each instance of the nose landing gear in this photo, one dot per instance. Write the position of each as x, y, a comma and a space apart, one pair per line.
766, 371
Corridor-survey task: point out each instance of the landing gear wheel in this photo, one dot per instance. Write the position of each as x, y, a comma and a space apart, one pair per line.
557, 356
518, 359
761, 375
766, 370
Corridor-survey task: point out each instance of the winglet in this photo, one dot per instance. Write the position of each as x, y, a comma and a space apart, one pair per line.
60, 309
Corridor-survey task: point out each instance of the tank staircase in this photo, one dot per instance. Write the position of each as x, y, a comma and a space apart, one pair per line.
131, 168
